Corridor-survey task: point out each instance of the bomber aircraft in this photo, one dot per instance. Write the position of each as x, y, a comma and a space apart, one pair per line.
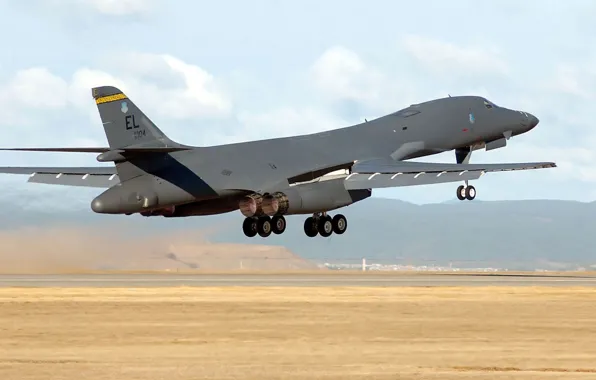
309, 174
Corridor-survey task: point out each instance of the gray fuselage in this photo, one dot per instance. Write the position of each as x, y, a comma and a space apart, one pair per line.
441, 125
203, 173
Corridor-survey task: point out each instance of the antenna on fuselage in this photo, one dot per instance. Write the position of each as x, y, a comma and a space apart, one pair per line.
449, 95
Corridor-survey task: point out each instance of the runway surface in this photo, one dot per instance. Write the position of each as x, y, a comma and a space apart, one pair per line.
392, 280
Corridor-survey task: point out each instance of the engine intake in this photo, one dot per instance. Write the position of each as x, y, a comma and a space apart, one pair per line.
276, 204
251, 205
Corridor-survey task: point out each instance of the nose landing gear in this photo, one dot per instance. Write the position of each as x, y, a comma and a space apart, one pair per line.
466, 192
462, 156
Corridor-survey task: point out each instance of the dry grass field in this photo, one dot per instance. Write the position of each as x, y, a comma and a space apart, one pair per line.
298, 333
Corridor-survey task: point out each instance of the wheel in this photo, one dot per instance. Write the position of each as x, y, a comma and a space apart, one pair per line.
325, 226
470, 193
339, 224
264, 226
278, 224
249, 227
461, 192
310, 227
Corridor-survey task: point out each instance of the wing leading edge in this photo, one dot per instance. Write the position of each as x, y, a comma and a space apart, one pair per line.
68, 176
387, 173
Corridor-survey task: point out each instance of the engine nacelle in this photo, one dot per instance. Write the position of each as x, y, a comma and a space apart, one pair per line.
312, 197
275, 204
251, 205
140, 194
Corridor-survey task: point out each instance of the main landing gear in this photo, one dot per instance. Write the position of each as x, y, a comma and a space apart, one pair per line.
264, 226
325, 225
318, 224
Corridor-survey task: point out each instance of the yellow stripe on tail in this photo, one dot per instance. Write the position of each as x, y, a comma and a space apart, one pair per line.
110, 98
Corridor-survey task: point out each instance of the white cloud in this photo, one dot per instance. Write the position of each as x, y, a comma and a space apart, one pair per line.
341, 74
447, 58
33, 88
196, 96
285, 121
38, 88
119, 7
164, 84
200, 96
107, 7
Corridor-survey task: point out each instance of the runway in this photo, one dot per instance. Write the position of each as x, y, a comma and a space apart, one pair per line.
294, 280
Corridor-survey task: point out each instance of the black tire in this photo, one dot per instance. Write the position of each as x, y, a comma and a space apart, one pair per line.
278, 224
461, 192
470, 193
249, 227
340, 224
310, 227
264, 226
325, 226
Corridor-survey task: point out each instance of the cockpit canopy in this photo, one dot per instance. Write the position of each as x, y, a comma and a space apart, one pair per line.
488, 104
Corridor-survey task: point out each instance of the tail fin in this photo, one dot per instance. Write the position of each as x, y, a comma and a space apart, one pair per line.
124, 123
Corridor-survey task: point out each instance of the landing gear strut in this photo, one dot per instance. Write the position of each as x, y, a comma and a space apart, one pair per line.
264, 226
325, 225
462, 156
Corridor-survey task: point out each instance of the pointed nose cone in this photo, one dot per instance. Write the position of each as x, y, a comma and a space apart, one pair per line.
533, 120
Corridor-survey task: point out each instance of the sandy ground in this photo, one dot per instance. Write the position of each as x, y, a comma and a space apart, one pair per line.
298, 333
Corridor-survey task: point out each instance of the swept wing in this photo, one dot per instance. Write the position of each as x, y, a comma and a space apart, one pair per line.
365, 175
381, 173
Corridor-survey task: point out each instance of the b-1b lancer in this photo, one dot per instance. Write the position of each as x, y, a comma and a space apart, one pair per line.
309, 174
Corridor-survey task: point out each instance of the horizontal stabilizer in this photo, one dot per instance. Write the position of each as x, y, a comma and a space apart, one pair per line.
85, 180
68, 176
100, 150
69, 150
387, 173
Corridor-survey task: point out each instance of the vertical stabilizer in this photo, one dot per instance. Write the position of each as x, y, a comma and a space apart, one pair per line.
124, 123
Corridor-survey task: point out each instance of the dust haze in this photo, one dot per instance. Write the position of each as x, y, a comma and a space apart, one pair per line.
62, 249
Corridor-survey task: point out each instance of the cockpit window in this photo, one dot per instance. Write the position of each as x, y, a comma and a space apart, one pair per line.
407, 113
488, 104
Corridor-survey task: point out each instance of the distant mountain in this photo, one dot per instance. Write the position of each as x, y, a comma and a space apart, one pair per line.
548, 234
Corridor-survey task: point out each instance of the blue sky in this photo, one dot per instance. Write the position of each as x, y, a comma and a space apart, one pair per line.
213, 72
